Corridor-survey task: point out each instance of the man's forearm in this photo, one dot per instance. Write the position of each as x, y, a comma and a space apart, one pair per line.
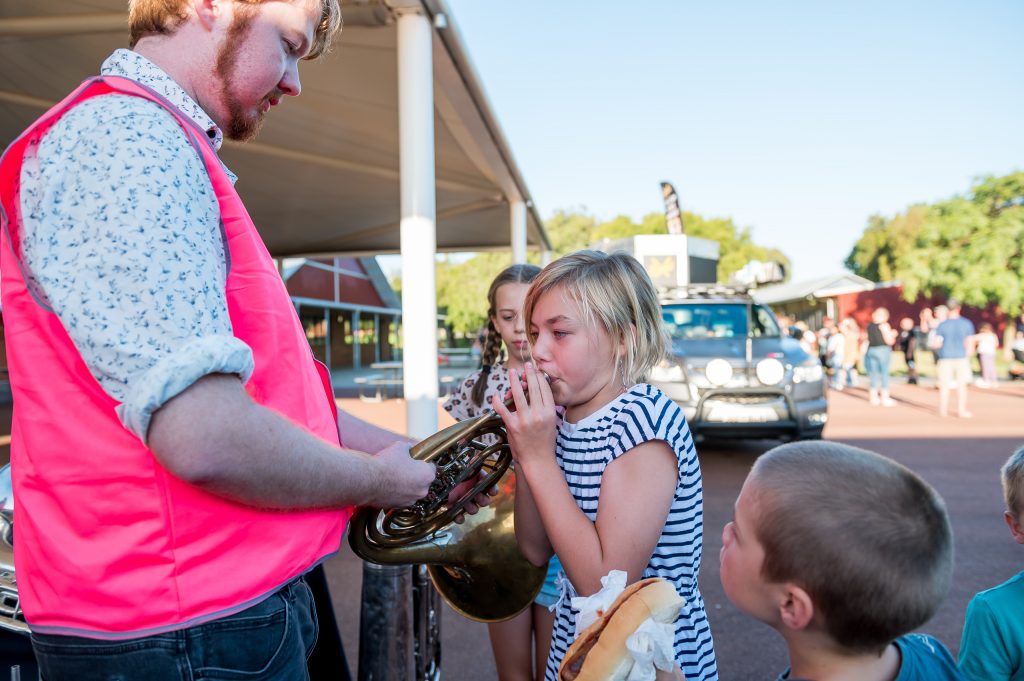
364, 436
215, 437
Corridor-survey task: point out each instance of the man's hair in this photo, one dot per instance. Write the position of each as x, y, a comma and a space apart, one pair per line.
162, 17
866, 538
613, 292
1013, 482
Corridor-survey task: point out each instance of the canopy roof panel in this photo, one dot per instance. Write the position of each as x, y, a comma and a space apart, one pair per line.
323, 175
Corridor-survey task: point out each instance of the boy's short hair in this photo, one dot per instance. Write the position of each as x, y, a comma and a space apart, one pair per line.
1013, 482
865, 537
613, 292
162, 17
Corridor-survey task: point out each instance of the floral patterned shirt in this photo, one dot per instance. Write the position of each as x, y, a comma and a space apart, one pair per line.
122, 240
460, 403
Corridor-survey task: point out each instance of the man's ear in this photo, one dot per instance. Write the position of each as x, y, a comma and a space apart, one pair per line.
1013, 522
796, 609
208, 11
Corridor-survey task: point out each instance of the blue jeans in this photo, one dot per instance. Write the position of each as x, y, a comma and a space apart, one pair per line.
876, 362
267, 642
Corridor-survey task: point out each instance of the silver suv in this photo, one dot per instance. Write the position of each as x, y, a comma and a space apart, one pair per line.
734, 372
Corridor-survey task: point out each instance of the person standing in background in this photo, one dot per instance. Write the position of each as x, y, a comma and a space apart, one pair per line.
953, 344
906, 342
987, 343
878, 358
851, 350
835, 345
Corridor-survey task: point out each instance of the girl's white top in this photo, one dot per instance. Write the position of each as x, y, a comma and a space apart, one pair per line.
583, 450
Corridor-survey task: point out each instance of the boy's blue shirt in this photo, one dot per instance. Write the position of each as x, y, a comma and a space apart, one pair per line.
923, 658
992, 647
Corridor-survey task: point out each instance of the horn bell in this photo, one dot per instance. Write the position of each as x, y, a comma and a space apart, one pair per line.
476, 565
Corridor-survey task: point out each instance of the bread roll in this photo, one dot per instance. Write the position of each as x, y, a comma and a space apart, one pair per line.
599, 652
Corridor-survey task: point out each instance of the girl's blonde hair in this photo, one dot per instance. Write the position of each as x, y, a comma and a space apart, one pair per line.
614, 294
162, 17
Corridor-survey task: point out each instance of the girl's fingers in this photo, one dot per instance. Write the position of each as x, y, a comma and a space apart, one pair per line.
540, 391
516, 388
498, 405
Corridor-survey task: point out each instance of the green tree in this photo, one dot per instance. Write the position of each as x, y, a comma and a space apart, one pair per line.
885, 243
569, 231
462, 286
967, 247
462, 289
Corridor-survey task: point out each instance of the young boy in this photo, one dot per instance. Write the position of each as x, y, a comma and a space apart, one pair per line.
992, 647
843, 552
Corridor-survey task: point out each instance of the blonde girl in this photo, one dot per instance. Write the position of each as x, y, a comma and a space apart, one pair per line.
613, 483
514, 656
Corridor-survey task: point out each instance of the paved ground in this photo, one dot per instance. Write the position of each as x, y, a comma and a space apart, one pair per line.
959, 457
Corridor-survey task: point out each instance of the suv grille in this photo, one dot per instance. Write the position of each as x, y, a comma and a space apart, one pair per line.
746, 399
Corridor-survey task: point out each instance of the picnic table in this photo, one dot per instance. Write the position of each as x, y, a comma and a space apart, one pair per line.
388, 383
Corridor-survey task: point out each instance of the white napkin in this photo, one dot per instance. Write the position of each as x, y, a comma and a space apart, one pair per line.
651, 645
591, 607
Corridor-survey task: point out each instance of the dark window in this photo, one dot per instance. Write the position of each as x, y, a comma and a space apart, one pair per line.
717, 320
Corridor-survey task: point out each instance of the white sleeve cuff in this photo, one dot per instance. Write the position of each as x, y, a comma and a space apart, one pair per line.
174, 373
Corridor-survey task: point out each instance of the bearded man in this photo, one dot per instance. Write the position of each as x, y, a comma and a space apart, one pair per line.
178, 459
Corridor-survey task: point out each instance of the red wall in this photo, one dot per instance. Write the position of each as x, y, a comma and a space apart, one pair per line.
860, 305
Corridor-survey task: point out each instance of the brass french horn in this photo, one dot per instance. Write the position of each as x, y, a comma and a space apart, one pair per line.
476, 566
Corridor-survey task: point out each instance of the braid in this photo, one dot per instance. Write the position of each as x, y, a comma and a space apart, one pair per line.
492, 346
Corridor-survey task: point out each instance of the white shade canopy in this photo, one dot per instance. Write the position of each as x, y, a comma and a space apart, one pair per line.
323, 175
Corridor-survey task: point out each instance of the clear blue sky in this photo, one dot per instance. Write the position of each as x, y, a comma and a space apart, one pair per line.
797, 119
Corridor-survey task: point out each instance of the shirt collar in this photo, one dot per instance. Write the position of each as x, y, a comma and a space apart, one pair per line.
133, 65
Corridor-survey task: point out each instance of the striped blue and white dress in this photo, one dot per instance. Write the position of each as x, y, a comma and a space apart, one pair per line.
583, 450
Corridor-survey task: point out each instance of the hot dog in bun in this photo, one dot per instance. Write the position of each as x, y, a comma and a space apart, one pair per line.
599, 653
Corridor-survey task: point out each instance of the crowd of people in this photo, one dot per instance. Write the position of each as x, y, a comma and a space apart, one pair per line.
846, 350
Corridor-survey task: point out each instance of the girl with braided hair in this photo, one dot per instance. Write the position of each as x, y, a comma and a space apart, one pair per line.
514, 656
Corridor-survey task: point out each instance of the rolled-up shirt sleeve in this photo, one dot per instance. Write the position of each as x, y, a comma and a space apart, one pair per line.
121, 239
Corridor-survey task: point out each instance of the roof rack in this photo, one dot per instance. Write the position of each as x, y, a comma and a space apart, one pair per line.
705, 291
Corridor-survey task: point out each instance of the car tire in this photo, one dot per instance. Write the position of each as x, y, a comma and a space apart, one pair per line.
811, 434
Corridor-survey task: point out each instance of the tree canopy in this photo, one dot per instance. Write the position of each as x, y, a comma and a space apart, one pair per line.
462, 285
967, 247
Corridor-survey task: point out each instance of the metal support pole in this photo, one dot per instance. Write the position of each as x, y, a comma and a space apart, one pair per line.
376, 338
385, 624
357, 340
426, 613
517, 218
418, 225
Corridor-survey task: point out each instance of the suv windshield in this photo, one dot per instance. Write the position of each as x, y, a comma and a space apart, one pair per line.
716, 320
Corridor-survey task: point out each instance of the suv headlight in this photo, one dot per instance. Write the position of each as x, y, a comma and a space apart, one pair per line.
770, 371
808, 373
667, 373
718, 372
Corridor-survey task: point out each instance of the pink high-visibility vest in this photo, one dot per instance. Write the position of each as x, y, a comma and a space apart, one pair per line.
110, 545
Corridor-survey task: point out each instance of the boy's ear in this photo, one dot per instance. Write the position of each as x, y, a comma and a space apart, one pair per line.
796, 609
1016, 529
